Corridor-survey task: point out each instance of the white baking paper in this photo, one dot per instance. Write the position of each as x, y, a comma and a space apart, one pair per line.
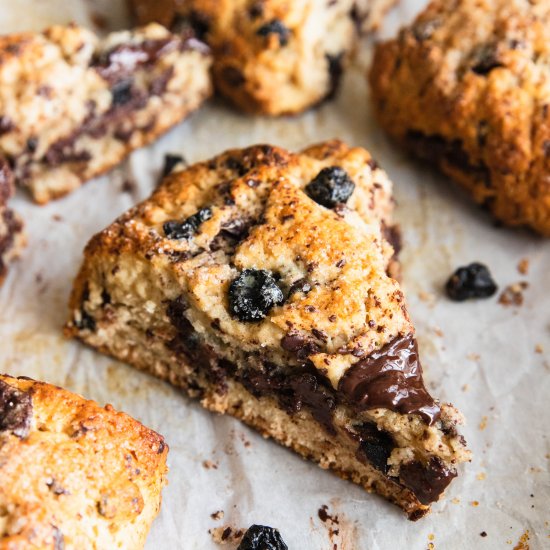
491, 361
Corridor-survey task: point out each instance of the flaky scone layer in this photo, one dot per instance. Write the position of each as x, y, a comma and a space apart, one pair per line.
74, 474
467, 86
72, 105
273, 57
163, 304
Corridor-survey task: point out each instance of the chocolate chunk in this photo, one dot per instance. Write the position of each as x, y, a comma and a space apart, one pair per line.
472, 281
301, 285
252, 294
170, 162
391, 378
331, 186
188, 227
427, 482
277, 27
87, 322
15, 410
375, 445
335, 71
260, 537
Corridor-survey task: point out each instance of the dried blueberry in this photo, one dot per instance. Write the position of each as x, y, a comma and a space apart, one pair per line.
188, 227
275, 27
331, 186
122, 92
472, 281
252, 294
170, 162
260, 537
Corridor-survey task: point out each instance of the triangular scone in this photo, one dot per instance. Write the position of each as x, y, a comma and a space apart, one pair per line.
72, 105
74, 474
233, 282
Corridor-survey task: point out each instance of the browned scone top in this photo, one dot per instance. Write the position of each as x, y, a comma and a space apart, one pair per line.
467, 86
322, 356
273, 56
74, 474
72, 105
12, 239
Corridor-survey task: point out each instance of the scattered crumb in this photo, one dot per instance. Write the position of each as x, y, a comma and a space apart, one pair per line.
455, 501
523, 266
438, 332
217, 515
523, 542
512, 295
483, 534
226, 535
465, 387
481, 476
331, 522
431, 536
474, 503
473, 356
128, 186
244, 441
57, 218
483, 423
539, 349
427, 297
209, 465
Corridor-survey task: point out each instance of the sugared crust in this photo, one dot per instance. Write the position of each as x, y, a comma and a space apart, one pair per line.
465, 86
71, 109
82, 477
276, 56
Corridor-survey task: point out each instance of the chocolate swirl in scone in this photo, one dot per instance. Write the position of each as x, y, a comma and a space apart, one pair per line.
15, 410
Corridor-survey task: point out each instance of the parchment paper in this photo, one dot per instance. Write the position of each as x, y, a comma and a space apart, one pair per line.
482, 356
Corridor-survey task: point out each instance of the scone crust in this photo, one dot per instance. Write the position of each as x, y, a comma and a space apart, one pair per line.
72, 106
77, 475
464, 86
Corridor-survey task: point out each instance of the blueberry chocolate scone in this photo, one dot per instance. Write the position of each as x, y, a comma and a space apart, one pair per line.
12, 238
257, 282
466, 87
72, 105
273, 56
74, 474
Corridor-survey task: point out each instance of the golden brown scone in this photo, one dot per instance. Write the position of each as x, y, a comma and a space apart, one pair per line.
464, 86
257, 281
73, 106
12, 239
273, 57
74, 475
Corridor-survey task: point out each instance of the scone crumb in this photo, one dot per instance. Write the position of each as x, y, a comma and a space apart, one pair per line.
512, 295
217, 515
539, 349
209, 465
226, 534
523, 266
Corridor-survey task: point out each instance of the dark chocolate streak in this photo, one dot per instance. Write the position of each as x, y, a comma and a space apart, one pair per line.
426, 482
390, 378
15, 410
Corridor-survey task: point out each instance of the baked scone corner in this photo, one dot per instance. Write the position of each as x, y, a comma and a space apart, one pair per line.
258, 282
74, 474
464, 87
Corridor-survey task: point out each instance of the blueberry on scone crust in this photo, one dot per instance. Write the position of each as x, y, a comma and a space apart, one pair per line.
74, 474
272, 56
72, 106
12, 239
464, 86
278, 310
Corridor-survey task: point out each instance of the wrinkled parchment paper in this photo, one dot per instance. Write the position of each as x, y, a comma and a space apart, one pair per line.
490, 360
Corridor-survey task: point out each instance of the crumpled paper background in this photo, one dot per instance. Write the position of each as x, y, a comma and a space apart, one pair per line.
492, 361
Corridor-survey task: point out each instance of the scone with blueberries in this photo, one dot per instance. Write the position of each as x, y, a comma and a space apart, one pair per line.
273, 57
72, 105
258, 282
74, 474
467, 87
12, 238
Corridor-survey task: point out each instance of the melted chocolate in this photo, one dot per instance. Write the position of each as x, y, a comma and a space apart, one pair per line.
390, 378
426, 482
15, 410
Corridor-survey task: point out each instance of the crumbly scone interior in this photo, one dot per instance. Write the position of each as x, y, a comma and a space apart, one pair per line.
161, 304
73, 105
